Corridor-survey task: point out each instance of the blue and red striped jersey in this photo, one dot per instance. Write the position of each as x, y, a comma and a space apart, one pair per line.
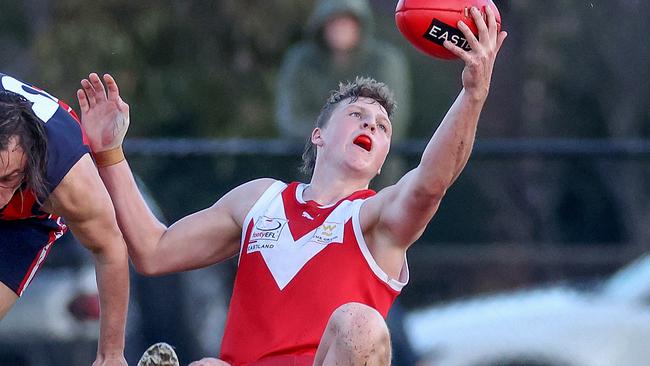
66, 144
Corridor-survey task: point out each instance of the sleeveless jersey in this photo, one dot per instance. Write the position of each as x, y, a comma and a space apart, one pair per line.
66, 144
299, 262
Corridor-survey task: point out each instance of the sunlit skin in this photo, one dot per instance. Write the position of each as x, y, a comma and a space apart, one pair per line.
12, 170
339, 155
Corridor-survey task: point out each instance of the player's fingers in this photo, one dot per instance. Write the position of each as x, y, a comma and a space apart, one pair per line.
459, 52
492, 22
483, 33
113, 90
469, 36
90, 92
500, 38
122, 105
100, 92
83, 101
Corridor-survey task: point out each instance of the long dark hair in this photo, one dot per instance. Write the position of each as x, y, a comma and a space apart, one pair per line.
352, 91
17, 120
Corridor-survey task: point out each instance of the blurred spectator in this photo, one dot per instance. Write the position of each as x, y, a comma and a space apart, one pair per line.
339, 45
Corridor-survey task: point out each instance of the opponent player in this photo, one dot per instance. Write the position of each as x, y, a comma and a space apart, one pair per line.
47, 176
320, 263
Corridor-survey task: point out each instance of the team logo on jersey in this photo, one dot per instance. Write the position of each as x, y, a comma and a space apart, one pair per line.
329, 232
266, 232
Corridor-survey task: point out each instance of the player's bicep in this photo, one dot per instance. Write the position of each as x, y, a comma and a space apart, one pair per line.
200, 239
82, 200
398, 214
211, 235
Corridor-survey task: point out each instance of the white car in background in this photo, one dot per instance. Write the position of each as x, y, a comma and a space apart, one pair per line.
558, 326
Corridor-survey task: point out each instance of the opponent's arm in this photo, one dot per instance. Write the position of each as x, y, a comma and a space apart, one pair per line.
83, 202
399, 214
198, 240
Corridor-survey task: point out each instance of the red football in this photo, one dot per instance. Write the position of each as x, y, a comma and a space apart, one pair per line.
428, 23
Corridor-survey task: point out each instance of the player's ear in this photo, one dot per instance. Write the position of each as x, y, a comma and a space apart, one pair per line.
317, 137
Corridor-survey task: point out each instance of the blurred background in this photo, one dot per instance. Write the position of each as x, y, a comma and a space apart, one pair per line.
555, 197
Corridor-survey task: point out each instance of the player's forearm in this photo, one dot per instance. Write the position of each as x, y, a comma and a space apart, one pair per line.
141, 229
449, 149
112, 270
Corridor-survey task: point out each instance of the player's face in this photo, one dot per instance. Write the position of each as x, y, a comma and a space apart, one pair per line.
358, 134
12, 170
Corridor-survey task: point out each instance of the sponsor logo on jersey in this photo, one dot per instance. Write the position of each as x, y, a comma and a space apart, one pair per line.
257, 246
267, 230
329, 232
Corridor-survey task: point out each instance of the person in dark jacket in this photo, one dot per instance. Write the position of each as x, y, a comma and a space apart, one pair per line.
339, 45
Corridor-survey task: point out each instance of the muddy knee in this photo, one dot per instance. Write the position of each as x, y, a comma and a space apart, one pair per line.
360, 331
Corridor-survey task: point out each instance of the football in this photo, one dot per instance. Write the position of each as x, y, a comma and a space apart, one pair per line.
428, 23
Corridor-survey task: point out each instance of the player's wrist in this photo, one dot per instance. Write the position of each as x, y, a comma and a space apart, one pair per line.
476, 94
109, 157
115, 358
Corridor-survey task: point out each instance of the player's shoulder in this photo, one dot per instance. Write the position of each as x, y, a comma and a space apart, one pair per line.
255, 188
248, 193
45, 106
240, 200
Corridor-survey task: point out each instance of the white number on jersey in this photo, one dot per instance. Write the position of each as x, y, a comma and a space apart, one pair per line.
44, 105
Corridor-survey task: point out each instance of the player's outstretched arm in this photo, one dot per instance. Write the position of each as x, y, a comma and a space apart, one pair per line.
83, 202
405, 209
198, 240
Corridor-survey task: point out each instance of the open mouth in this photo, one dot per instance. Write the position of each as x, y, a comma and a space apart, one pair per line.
364, 142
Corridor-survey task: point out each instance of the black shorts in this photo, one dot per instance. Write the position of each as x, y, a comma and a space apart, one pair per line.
24, 245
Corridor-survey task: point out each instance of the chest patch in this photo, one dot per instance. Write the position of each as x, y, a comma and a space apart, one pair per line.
285, 255
329, 232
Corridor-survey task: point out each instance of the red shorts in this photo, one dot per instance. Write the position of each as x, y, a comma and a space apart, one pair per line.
24, 245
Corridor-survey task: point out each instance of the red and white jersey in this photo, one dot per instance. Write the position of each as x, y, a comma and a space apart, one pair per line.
299, 262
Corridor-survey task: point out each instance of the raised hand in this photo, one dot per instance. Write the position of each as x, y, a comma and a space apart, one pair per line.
479, 61
104, 115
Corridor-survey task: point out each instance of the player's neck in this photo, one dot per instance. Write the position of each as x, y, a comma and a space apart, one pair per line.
329, 189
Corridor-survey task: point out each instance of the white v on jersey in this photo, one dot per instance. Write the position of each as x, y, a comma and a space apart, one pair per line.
299, 262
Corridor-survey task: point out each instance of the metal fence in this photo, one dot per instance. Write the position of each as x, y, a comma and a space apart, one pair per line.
460, 253
492, 148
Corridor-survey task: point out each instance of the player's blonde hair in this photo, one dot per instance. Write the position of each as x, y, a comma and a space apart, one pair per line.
351, 91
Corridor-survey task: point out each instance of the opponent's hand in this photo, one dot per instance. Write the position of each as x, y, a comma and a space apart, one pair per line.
113, 361
209, 361
104, 115
479, 61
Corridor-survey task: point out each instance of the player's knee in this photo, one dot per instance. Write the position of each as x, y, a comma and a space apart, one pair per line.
361, 328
